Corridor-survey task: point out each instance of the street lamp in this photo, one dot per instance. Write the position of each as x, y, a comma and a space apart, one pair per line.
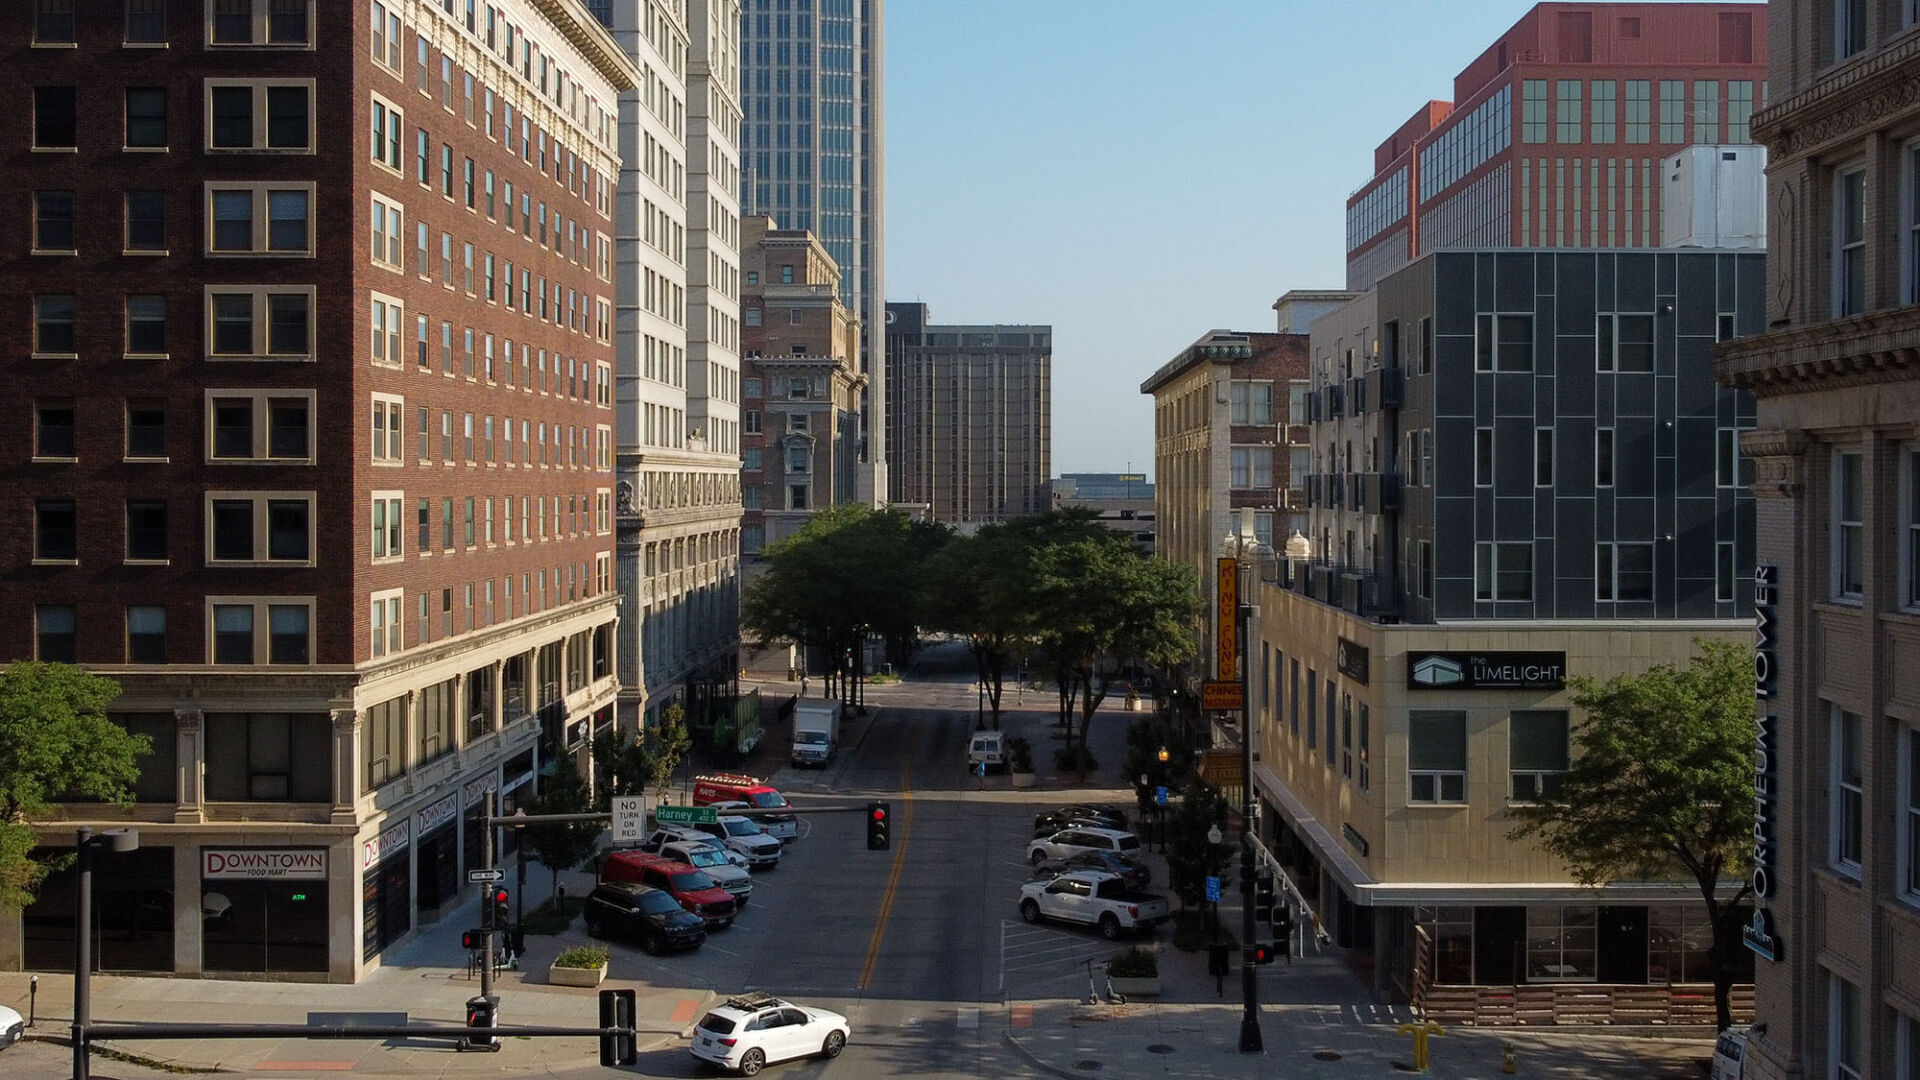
1254, 560
120, 840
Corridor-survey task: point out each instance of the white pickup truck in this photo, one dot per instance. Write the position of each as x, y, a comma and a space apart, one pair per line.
702, 852
1099, 899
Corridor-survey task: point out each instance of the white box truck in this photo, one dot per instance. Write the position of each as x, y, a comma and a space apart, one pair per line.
816, 726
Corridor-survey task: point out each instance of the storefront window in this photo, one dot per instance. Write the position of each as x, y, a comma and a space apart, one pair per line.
133, 912
1451, 929
1560, 943
263, 909
1679, 939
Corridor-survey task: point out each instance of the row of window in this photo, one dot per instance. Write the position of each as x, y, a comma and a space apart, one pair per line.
470, 353
240, 631
272, 115
1584, 112
471, 519
1846, 801
1849, 236
476, 605
286, 24
1849, 506
1731, 466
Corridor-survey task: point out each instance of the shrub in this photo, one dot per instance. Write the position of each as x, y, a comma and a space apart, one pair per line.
1135, 963
1074, 760
581, 956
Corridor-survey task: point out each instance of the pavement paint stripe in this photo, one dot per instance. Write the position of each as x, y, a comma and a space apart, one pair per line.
684, 1010
1022, 1016
893, 879
968, 1019
306, 1066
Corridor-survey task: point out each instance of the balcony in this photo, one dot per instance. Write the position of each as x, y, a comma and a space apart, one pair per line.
1389, 487
1336, 401
1388, 387
1357, 394
1357, 488
1336, 490
1313, 408
1310, 489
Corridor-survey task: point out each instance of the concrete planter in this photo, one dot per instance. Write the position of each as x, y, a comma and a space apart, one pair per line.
573, 976
1136, 987
1022, 779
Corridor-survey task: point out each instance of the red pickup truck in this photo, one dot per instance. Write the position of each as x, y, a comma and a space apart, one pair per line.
690, 886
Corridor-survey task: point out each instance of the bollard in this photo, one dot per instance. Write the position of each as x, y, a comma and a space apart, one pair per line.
1421, 1033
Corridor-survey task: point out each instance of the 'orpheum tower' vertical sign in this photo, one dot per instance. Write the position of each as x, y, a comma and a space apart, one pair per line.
1759, 934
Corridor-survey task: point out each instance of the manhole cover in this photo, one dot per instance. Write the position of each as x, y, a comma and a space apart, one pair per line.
1159, 1048
1088, 1065
1326, 1055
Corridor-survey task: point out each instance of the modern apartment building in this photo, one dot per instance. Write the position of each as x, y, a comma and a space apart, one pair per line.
332, 504
813, 158
1521, 470
1556, 134
972, 416
678, 348
1837, 474
803, 385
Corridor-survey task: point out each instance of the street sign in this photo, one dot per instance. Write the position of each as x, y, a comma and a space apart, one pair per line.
685, 815
1160, 795
1215, 694
486, 875
1213, 889
629, 820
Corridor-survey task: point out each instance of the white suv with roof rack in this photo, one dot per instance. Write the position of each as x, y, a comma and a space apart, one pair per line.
749, 1031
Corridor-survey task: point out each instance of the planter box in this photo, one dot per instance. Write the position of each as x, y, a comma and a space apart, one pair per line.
1136, 987
1023, 779
572, 976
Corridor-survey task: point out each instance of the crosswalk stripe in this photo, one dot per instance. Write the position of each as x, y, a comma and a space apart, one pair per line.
968, 1019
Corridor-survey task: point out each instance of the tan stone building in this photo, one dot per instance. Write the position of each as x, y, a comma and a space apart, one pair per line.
1837, 456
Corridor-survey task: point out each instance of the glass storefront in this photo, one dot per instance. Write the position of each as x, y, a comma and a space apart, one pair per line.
386, 897
437, 860
133, 908
263, 909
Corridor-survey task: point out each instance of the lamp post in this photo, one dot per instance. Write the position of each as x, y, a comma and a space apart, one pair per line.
121, 840
1254, 560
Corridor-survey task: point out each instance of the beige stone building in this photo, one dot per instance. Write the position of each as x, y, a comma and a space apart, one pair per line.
1837, 456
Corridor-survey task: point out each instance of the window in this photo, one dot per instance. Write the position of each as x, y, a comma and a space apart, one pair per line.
387, 413
53, 22
384, 32
797, 497
247, 527
247, 629
1844, 783
1639, 110
388, 523
146, 324
146, 430
146, 22
146, 530
1604, 106
1849, 28
1560, 942
1533, 111
1910, 224
1740, 111
53, 221
1503, 571
55, 532
383, 743
146, 634
1423, 550
1908, 767
261, 323
53, 325
146, 221
53, 626
1730, 466
1848, 530
1673, 112
56, 123
1623, 572
1850, 243
1724, 577
387, 119
1603, 457
1567, 117
384, 325
799, 459
1543, 457
1843, 1013
1483, 457
1366, 738
259, 219
384, 632
146, 118
1706, 112
1910, 532
1252, 403
1503, 343
259, 425
277, 23
1623, 342
1536, 752
53, 430
1436, 757
385, 221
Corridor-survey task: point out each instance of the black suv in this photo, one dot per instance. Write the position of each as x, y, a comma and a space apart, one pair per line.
638, 911
1079, 816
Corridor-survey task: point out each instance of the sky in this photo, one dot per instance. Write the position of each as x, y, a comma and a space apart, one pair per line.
1137, 173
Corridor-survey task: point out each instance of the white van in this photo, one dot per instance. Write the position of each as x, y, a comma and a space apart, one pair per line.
1730, 1055
988, 748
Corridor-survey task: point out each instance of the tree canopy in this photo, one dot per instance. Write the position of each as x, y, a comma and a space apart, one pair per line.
1661, 783
563, 845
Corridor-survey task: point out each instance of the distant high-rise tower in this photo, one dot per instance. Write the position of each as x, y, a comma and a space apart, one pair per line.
811, 157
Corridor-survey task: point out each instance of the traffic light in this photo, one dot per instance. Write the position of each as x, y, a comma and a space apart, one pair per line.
878, 814
483, 1013
1263, 897
617, 1010
471, 939
1264, 953
502, 918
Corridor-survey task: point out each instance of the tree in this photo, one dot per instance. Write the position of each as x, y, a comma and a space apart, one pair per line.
563, 845
1661, 784
56, 744
980, 587
1191, 858
649, 759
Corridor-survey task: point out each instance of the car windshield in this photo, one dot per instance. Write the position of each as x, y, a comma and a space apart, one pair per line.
768, 800
1129, 843
810, 737
719, 1025
705, 857
658, 903
693, 881
739, 826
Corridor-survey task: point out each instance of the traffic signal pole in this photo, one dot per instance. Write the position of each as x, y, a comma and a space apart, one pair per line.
486, 908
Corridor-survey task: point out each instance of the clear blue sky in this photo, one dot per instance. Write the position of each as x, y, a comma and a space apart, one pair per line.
1136, 173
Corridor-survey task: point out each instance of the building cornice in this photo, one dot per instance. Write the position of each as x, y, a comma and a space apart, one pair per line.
593, 40
1860, 96
1878, 347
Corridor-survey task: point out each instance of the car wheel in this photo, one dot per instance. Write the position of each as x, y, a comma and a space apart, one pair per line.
1037, 857
835, 1043
1030, 911
1109, 927
752, 1062
596, 928
653, 944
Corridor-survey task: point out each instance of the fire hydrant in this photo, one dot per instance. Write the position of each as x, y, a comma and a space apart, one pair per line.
1509, 1059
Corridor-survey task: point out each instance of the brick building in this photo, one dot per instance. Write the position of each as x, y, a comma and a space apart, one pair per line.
332, 502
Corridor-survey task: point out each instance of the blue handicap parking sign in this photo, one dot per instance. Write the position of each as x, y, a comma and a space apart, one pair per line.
1160, 795
1213, 889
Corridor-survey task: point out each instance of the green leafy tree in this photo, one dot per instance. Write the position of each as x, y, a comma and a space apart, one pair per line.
631, 766
1191, 859
563, 845
980, 587
1661, 785
56, 744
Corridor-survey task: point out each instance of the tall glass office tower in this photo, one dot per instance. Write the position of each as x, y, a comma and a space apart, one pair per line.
812, 158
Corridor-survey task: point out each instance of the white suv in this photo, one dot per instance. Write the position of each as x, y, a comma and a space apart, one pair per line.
745, 837
748, 1032
1073, 841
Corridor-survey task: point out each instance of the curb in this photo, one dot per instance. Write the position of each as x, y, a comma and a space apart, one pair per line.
1033, 1061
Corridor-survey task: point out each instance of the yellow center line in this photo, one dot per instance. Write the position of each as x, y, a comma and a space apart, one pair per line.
893, 880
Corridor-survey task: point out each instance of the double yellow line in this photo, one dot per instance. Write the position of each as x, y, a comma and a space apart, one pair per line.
893, 879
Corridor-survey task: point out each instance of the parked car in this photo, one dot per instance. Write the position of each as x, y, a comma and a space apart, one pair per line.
744, 837
667, 834
1074, 815
1095, 899
12, 1027
987, 748
1073, 841
641, 913
1137, 874
705, 854
760, 800
751, 1031
782, 826
692, 888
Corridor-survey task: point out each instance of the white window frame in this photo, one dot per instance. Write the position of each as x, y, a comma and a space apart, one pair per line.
385, 31
388, 155
1849, 40
1910, 525
387, 526
1606, 571
258, 39
1846, 828
1842, 997
262, 626
386, 318
262, 401
1910, 205
261, 222
1839, 528
387, 420
261, 526
1437, 777
1907, 1028
387, 228
1730, 468
384, 626
262, 116
1907, 879
1842, 248
1537, 778
261, 314
1486, 556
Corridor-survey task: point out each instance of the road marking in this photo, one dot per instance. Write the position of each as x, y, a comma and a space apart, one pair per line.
306, 1066
683, 1011
968, 1018
893, 879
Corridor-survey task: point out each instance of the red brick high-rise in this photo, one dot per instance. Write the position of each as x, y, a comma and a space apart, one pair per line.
308, 444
